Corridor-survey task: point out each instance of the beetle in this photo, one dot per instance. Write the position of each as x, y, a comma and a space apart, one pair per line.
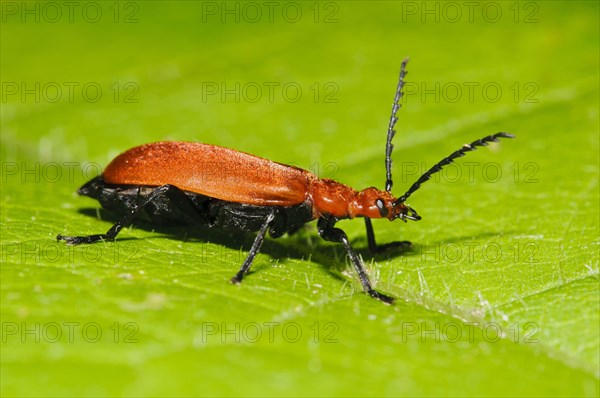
196, 183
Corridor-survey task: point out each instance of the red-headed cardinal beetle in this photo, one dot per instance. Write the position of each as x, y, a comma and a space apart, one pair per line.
223, 188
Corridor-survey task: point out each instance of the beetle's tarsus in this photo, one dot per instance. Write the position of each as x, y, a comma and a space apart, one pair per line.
78, 240
381, 297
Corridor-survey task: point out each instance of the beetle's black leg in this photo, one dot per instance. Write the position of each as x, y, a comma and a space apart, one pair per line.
126, 220
253, 250
373, 248
328, 232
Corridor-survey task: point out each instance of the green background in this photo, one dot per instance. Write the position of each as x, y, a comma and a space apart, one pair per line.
498, 296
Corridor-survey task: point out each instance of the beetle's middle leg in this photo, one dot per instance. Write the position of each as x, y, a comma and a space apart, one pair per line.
374, 248
254, 249
325, 225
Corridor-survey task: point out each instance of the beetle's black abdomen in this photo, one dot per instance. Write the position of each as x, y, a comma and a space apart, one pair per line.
183, 207
237, 216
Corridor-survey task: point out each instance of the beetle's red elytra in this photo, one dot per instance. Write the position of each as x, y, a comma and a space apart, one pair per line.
195, 183
210, 170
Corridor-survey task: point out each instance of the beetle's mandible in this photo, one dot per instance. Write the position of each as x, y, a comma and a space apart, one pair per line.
191, 183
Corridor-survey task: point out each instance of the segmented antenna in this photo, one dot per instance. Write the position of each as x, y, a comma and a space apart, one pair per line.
391, 132
446, 161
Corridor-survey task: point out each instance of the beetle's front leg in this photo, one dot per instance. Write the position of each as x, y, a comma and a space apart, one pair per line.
326, 229
374, 248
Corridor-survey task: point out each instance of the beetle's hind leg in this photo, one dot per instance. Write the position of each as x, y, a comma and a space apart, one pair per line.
253, 250
328, 232
374, 248
169, 192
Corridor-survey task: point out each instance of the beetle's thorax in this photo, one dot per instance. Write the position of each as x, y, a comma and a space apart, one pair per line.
329, 197
332, 198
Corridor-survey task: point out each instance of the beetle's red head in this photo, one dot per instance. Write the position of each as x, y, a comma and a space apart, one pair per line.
374, 203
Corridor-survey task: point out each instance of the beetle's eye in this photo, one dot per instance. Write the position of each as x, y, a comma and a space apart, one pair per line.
383, 211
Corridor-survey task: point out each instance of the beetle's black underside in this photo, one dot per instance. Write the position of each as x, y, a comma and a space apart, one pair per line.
189, 208
168, 204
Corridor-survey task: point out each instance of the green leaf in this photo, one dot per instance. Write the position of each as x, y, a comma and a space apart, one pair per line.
498, 295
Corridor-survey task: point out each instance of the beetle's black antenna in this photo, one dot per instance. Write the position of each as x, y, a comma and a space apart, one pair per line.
446, 161
391, 132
